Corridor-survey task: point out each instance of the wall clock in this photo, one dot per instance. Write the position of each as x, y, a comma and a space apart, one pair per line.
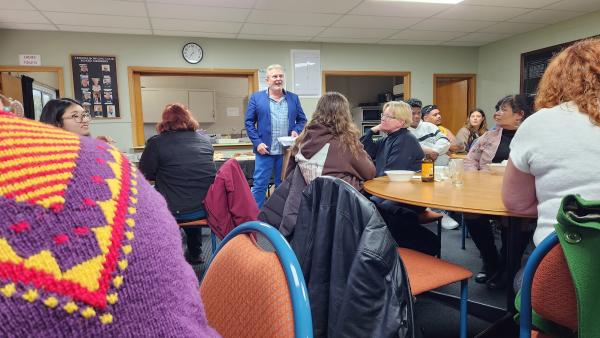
192, 52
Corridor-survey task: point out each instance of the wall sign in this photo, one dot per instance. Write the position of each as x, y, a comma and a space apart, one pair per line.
95, 85
30, 60
307, 72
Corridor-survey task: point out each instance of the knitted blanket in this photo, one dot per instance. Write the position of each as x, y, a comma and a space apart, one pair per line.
87, 247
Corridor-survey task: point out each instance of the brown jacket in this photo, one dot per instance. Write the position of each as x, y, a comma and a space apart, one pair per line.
339, 162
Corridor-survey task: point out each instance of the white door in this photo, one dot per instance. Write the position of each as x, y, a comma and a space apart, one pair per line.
202, 105
155, 100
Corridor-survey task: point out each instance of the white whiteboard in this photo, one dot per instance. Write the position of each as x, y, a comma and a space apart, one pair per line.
307, 72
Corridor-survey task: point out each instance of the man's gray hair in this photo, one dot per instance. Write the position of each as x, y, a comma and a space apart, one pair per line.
275, 66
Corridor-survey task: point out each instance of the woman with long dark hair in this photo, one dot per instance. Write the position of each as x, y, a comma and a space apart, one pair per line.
475, 126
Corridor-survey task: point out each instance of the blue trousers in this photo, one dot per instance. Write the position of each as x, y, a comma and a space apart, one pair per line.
263, 170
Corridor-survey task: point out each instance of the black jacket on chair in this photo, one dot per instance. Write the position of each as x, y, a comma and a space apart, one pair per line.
356, 281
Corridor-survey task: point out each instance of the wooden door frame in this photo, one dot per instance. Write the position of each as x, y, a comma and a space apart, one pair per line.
60, 77
326, 73
471, 87
135, 89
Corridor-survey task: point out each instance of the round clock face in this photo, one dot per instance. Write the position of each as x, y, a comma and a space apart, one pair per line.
192, 52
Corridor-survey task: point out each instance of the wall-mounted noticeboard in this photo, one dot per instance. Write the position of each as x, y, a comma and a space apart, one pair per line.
95, 85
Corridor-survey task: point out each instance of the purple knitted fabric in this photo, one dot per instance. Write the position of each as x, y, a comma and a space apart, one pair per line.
87, 247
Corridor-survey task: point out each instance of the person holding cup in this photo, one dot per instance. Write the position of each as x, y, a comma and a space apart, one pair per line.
493, 147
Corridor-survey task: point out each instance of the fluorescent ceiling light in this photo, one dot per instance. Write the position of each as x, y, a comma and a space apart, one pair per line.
449, 2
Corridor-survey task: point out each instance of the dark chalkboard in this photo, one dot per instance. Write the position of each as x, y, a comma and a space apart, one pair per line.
533, 65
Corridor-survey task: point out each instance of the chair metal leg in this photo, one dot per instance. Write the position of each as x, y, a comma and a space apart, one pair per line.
464, 294
439, 233
213, 242
464, 231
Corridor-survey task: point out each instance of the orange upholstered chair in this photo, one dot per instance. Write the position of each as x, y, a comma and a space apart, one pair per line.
426, 273
250, 292
552, 292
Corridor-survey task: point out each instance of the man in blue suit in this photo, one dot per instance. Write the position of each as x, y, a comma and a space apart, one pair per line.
272, 113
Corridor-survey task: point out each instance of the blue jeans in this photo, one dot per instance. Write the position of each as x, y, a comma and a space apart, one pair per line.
263, 170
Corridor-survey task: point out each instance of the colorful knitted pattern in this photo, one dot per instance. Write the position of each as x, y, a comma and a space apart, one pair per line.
87, 248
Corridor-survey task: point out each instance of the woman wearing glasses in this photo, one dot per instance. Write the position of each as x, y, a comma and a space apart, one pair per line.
69, 115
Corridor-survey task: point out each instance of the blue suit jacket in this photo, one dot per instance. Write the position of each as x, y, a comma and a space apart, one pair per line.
258, 117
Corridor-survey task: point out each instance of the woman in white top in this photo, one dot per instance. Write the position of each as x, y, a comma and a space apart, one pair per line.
556, 151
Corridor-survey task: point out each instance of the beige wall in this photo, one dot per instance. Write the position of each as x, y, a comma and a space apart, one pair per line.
56, 47
499, 62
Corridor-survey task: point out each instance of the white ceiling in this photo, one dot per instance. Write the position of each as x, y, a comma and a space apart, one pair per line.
470, 23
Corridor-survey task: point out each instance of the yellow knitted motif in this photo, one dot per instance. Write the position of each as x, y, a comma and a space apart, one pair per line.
51, 302
31, 295
106, 318
8, 290
88, 312
70, 307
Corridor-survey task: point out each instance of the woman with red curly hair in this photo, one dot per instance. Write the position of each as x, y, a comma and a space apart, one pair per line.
555, 151
180, 160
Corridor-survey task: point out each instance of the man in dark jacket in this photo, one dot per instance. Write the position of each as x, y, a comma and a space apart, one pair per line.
356, 281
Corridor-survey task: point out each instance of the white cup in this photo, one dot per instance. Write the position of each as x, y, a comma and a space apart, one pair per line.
457, 170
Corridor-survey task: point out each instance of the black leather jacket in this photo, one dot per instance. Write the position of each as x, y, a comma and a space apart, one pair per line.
356, 281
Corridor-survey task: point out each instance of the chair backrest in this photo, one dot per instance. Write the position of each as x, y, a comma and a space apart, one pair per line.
248, 291
548, 287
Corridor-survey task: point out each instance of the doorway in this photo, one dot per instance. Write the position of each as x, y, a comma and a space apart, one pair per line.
141, 78
454, 94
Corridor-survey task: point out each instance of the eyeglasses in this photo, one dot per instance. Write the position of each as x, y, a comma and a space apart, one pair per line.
79, 118
387, 117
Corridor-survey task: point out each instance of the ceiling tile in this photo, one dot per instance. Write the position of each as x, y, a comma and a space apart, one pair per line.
197, 12
273, 37
482, 37
409, 42
110, 30
545, 16
213, 3
368, 21
12, 4
436, 24
463, 43
512, 27
576, 5
195, 34
357, 33
110, 7
256, 28
291, 18
21, 16
342, 40
510, 3
483, 13
417, 35
98, 20
401, 9
312, 6
195, 26
28, 26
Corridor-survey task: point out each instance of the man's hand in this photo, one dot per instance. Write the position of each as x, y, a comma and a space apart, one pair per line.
294, 134
376, 129
432, 153
262, 149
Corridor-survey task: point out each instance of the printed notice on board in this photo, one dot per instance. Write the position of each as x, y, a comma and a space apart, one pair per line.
95, 85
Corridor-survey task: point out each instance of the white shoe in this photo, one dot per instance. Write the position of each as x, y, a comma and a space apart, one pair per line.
449, 223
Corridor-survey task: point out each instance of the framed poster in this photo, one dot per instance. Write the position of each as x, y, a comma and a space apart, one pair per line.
95, 85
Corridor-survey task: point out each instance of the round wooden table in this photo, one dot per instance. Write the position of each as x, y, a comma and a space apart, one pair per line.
481, 193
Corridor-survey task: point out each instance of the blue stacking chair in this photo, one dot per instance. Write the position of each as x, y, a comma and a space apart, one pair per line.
250, 292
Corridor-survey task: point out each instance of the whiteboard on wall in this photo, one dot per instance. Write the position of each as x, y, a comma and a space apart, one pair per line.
306, 72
